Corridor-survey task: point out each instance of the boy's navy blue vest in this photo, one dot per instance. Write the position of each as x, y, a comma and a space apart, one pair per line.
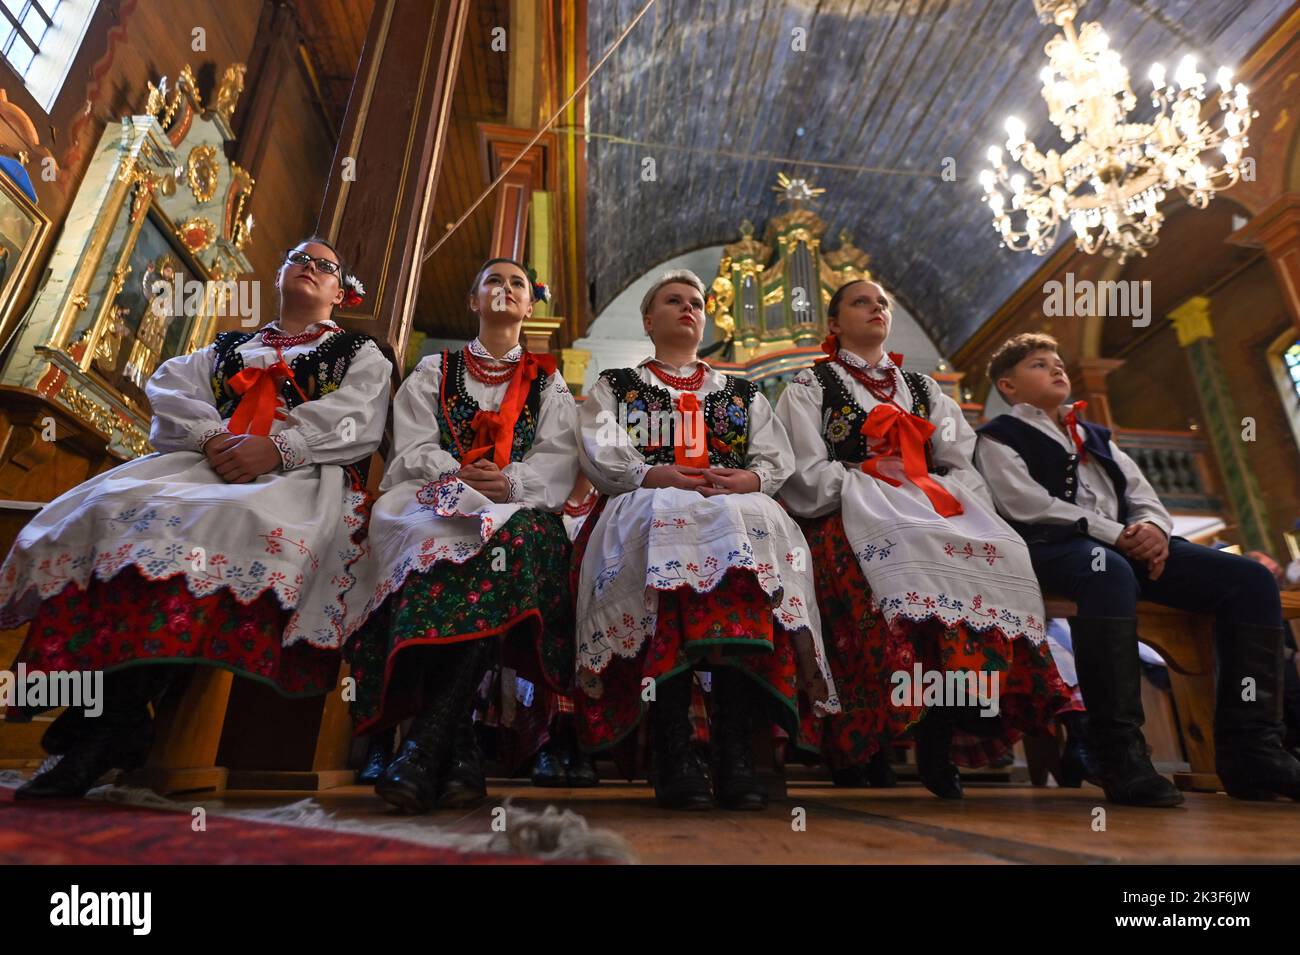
1056, 469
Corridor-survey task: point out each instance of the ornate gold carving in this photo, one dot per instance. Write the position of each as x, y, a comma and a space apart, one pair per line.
201, 172
1192, 320
748, 248
161, 107
232, 84
103, 420
81, 301
197, 233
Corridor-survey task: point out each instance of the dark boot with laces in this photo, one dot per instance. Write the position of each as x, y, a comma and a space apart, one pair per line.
681, 776
737, 785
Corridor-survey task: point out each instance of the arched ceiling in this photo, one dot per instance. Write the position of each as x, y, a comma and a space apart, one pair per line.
705, 86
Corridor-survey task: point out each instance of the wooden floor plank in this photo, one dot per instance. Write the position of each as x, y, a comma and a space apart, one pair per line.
995, 824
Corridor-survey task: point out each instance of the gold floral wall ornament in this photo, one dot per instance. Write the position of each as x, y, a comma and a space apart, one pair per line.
197, 233
232, 85
201, 172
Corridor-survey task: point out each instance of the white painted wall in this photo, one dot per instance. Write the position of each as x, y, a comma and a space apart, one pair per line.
617, 340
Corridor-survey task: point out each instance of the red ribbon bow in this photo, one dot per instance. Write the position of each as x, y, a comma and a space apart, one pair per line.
494, 431
897, 432
260, 404
1071, 421
689, 406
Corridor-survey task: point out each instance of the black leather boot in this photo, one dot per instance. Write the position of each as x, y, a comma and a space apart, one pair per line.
849, 777
118, 738
548, 768
1075, 761
933, 737
1249, 757
464, 784
732, 728
880, 774
681, 777
379, 753
411, 781
1106, 658
579, 767
582, 768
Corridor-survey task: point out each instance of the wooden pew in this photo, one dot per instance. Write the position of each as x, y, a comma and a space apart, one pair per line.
1186, 642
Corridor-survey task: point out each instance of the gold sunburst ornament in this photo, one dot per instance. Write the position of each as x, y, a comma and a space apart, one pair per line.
795, 191
1109, 182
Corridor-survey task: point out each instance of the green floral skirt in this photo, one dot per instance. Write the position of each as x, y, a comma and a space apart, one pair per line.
515, 588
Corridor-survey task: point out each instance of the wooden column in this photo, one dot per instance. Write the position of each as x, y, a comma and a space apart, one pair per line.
381, 186
274, 50
1276, 230
500, 146
1088, 381
1196, 335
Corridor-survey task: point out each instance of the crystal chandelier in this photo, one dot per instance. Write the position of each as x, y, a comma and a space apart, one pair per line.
1115, 172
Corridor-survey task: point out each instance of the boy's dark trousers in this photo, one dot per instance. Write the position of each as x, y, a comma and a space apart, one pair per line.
1243, 598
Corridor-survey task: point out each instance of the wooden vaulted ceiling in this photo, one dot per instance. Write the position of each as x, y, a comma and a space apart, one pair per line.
333, 33
886, 90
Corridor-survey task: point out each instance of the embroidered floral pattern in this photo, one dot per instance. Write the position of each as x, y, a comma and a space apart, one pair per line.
289, 458
247, 578
451, 602
864, 651
987, 552
132, 619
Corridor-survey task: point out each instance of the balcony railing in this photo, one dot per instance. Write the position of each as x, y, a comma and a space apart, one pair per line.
1177, 464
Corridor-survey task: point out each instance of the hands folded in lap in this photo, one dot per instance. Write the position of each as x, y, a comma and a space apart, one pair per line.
708, 481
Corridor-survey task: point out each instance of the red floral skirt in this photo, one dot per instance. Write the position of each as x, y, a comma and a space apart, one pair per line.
730, 625
863, 652
129, 620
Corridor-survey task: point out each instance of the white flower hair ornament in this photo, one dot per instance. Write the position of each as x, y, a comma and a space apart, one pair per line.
354, 291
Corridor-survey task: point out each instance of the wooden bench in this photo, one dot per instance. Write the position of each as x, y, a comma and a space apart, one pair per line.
1186, 642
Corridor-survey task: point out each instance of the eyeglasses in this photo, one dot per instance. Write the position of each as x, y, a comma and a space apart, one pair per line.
299, 257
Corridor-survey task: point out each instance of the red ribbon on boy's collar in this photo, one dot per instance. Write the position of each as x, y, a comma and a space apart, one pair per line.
494, 431
898, 432
1071, 422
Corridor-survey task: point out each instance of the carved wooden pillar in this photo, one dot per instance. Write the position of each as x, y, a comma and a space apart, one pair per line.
1088, 382
273, 55
1276, 230
381, 186
501, 145
1196, 335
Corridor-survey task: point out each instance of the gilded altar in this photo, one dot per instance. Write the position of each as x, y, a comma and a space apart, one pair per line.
144, 266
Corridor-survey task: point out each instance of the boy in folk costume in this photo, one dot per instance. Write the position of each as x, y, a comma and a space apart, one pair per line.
232, 546
691, 561
467, 546
914, 567
1099, 535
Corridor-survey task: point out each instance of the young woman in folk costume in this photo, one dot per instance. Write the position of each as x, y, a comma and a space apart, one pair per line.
691, 562
232, 546
913, 564
467, 546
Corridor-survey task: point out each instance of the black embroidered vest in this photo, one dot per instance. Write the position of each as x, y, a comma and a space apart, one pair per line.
1056, 469
648, 414
318, 372
457, 408
843, 417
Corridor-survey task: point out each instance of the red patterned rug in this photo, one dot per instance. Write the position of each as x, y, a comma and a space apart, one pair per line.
94, 832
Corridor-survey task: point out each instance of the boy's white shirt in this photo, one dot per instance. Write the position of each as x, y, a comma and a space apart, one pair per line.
1020, 498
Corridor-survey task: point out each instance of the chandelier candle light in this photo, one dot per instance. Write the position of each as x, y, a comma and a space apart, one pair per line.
1115, 171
